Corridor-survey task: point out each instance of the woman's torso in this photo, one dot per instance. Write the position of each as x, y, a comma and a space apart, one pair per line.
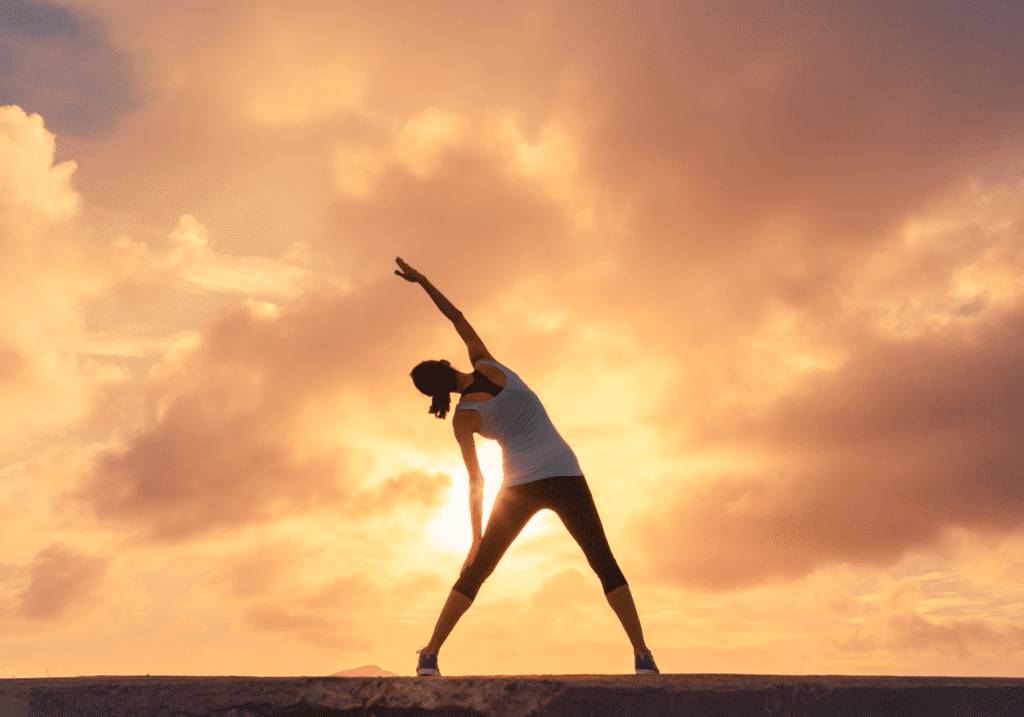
531, 446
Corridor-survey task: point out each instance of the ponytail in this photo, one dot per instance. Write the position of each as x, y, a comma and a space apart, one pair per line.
441, 404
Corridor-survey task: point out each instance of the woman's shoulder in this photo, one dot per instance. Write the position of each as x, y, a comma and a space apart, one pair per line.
493, 370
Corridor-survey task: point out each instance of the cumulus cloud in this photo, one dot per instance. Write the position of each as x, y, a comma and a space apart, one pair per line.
45, 276
34, 188
229, 440
902, 433
420, 145
154, 298
63, 579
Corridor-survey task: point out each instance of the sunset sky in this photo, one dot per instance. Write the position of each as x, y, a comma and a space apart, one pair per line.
763, 263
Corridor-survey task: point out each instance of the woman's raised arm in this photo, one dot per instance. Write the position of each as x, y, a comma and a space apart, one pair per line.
477, 350
410, 274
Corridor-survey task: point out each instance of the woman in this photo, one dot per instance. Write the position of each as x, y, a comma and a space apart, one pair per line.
541, 471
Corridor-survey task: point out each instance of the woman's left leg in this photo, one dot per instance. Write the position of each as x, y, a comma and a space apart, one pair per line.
574, 504
454, 608
510, 514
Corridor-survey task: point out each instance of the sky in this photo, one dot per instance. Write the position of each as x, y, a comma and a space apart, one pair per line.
763, 263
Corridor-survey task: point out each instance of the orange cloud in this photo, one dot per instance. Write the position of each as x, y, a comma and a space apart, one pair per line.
45, 275
863, 463
62, 579
224, 444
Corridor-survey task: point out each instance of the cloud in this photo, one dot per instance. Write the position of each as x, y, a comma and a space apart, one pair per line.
34, 188
231, 440
214, 459
904, 431
45, 275
63, 579
334, 81
863, 463
907, 631
419, 147
280, 588
194, 260
739, 194
153, 298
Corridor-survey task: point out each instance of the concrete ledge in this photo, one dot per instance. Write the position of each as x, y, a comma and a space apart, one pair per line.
512, 696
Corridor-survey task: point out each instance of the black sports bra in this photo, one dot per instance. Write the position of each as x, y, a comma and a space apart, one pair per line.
482, 384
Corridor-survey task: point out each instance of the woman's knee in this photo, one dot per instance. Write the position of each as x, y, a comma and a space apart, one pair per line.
613, 582
610, 574
467, 586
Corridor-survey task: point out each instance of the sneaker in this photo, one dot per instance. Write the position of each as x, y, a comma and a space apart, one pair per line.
645, 665
427, 664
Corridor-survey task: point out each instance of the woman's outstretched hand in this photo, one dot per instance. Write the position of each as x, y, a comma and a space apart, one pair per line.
409, 274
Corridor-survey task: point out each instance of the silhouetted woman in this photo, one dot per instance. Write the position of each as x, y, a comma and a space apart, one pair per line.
541, 471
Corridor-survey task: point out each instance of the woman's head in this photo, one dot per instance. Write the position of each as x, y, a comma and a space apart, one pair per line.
437, 379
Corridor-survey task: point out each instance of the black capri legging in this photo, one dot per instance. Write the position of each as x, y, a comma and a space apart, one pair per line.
570, 498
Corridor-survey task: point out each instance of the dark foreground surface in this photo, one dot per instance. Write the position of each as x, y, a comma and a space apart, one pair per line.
514, 696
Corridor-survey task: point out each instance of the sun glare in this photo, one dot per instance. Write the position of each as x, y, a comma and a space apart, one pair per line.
453, 528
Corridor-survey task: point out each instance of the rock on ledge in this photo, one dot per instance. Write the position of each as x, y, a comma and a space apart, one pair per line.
511, 696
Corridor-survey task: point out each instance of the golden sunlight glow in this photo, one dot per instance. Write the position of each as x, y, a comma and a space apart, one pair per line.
453, 527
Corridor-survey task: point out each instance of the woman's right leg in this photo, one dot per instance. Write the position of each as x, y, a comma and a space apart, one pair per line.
621, 601
574, 504
510, 514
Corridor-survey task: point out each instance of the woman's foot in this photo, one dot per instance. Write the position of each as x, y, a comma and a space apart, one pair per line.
645, 664
427, 665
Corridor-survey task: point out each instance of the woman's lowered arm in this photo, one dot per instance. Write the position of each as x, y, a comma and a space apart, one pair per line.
464, 435
463, 428
476, 486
